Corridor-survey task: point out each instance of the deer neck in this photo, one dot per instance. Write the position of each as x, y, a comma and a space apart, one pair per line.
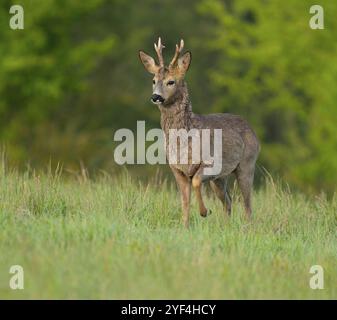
177, 114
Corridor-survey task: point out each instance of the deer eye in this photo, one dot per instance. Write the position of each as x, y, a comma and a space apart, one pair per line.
170, 83
154, 81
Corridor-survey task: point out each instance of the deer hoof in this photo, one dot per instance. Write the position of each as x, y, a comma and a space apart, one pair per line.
206, 213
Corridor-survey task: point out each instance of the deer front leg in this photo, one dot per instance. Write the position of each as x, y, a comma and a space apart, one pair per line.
197, 184
184, 185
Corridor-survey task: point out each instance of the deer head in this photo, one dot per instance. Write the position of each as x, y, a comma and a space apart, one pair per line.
167, 81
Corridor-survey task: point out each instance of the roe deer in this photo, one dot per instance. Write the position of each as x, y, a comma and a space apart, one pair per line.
240, 147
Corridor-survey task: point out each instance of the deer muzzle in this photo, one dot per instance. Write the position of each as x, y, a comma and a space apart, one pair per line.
157, 99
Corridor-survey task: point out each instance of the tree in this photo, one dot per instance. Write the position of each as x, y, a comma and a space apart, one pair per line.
277, 72
44, 65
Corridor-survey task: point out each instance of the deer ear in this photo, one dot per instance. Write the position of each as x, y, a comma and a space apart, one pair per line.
184, 62
148, 62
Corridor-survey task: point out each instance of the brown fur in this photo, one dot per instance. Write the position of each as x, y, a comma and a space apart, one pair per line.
240, 147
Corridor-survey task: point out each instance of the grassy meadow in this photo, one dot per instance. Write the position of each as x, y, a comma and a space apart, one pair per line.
117, 238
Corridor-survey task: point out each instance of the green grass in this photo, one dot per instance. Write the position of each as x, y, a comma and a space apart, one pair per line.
115, 238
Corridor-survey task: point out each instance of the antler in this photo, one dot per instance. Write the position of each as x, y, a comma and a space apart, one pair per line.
177, 53
159, 47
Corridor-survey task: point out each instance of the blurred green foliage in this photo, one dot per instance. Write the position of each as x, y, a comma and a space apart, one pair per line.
72, 76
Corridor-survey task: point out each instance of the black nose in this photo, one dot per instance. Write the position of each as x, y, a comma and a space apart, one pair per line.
157, 97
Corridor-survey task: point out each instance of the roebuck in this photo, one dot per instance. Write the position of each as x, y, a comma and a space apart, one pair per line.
240, 147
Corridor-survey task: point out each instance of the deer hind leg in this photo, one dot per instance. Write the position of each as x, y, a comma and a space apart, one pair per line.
184, 185
245, 177
219, 187
197, 181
